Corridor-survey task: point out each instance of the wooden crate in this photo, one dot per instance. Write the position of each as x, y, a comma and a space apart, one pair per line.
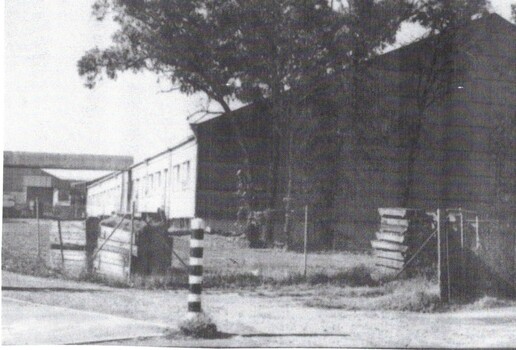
112, 261
111, 265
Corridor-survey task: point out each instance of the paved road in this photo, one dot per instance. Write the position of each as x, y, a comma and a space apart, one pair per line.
29, 323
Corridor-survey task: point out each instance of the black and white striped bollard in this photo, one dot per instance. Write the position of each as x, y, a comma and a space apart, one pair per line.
196, 268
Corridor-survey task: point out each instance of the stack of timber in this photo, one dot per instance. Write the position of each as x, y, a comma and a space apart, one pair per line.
68, 246
401, 233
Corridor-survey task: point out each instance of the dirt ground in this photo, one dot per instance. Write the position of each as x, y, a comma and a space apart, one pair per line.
257, 319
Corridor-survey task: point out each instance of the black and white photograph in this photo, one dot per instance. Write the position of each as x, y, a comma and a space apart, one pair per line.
259, 173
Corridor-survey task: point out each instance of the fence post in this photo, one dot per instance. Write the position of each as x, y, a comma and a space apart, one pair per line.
438, 219
477, 235
442, 261
131, 244
462, 259
60, 242
37, 221
196, 267
305, 250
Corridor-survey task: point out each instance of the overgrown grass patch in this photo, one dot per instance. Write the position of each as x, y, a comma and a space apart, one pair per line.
174, 279
359, 275
99, 279
178, 279
416, 294
488, 302
27, 267
356, 276
234, 280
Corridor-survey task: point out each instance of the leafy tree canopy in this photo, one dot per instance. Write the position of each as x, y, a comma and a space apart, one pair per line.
241, 49
182, 40
438, 15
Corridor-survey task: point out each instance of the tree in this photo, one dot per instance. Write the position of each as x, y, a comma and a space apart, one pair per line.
435, 66
248, 50
289, 48
274, 50
365, 29
182, 41
282, 42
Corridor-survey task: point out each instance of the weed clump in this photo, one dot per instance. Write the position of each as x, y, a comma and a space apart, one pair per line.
357, 276
416, 295
176, 279
199, 326
238, 280
488, 302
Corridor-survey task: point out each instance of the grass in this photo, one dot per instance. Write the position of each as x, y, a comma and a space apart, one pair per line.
178, 279
231, 256
488, 302
20, 247
417, 294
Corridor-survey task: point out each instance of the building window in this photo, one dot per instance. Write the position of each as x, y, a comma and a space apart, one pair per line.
177, 178
185, 178
158, 179
63, 196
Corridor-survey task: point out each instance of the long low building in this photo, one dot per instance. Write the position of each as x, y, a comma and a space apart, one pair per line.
164, 183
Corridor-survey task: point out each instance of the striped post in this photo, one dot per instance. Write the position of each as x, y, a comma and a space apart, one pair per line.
196, 267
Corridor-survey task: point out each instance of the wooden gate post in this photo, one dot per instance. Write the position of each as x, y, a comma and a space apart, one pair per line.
39, 234
196, 267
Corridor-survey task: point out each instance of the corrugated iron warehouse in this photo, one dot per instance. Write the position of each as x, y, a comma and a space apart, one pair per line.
456, 165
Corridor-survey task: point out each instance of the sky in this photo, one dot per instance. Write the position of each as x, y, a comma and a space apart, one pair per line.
48, 109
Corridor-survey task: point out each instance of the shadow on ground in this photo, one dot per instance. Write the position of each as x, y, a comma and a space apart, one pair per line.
50, 289
224, 335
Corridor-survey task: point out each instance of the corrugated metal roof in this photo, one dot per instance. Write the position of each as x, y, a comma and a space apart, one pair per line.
66, 161
77, 175
170, 149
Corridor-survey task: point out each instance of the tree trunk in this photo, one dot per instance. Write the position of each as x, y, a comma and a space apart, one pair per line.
414, 138
276, 115
246, 158
288, 197
273, 186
